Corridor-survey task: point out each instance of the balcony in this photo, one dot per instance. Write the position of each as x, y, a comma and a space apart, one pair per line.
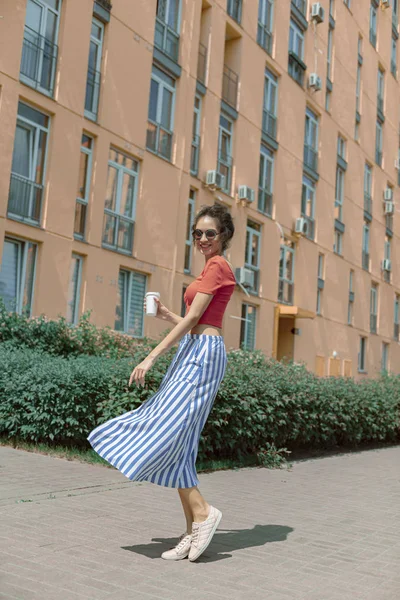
310, 158
264, 37
194, 157
38, 61
202, 64
225, 168
296, 68
365, 260
166, 39
92, 93
159, 140
373, 321
25, 199
230, 84
269, 122
118, 232
234, 10
264, 201
285, 292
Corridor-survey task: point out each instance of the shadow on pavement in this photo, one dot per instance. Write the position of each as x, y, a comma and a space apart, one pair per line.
224, 540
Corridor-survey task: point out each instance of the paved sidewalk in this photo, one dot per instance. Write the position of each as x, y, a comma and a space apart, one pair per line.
328, 529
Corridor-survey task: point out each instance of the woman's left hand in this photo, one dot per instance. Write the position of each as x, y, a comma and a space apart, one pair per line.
138, 374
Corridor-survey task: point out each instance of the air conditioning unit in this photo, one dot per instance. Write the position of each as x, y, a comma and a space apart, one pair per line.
388, 194
314, 81
301, 226
389, 208
317, 12
246, 193
215, 180
397, 164
386, 265
245, 277
385, 3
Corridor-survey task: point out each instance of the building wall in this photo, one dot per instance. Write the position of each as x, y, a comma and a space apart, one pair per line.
163, 186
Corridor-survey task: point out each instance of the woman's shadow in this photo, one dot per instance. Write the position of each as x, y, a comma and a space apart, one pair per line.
224, 541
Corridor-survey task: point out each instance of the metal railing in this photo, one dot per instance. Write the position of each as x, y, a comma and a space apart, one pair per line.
373, 321
269, 123
202, 63
25, 199
367, 203
264, 201
225, 168
264, 37
166, 39
234, 9
194, 156
310, 157
230, 83
159, 140
301, 5
38, 61
365, 260
118, 232
92, 91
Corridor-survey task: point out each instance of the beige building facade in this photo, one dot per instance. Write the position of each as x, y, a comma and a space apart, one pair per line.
118, 122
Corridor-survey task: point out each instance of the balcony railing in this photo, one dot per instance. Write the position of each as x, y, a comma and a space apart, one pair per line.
285, 292
166, 39
194, 157
264, 201
118, 232
202, 63
234, 9
396, 331
25, 199
301, 5
373, 320
367, 203
365, 260
225, 168
159, 140
269, 124
310, 157
264, 37
230, 85
38, 61
92, 92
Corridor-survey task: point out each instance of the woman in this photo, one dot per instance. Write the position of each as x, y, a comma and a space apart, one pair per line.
158, 442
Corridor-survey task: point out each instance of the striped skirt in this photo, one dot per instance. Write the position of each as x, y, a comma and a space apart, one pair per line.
158, 442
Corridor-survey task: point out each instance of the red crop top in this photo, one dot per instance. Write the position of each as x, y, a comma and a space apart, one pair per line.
217, 279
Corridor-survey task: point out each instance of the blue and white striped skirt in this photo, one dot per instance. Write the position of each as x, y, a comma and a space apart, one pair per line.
158, 442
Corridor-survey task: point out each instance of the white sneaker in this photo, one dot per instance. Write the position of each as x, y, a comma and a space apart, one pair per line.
181, 550
202, 533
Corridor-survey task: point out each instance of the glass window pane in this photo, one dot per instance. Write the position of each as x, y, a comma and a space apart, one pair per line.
166, 109
29, 113
127, 195
41, 158
120, 308
82, 176
9, 274
29, 277
154, 86
22, 152
111, 191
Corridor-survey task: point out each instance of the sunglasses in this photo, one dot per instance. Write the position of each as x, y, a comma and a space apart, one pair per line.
210, 234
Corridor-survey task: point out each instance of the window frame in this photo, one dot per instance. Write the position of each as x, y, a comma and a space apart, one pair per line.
362, 355
245, 327
195, 149
265, 25
128, 274
163, 84
88, 181
265, 183
308, 199
270, 104
253, 233
227, 162
74, 303
92, 112
21, 268
285, 251
350, 306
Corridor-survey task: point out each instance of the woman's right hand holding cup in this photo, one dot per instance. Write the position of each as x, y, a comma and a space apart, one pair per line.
157, 309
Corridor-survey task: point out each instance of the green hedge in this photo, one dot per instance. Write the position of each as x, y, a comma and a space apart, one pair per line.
261, 404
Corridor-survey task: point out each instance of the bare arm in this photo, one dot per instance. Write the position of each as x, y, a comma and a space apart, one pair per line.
185, 324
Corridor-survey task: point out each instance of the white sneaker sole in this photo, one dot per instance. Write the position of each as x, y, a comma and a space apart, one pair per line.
214, 529
175, 558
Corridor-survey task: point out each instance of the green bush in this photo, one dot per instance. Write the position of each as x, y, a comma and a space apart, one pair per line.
263, 407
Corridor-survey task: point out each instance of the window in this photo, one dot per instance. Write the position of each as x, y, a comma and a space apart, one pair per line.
129, 311
365, 247
393, 57
39, 49
17, 275
347, 3
248, 327
358, 88
166, 36
331, 8
378, 143
234, 9
28, 165
362, 355
311, 141
351, 299
321, 281
341, 147
265, 182
270, 104
264, 28
387, 255
373, 16
94, 70
252, 252
385, 358
82, 196
286, 273
189, 223
195, 151
225, 150
368, 188
339, 193
396, 329
120, 204
381, 90
329, 54
328, 98
301, 5
308, 205
161, 114
338, 242
374, 308
296, 68
74, 289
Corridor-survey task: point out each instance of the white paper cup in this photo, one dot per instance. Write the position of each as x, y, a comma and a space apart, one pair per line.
151, 304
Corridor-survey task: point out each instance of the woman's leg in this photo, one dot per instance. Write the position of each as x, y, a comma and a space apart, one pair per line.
194, 505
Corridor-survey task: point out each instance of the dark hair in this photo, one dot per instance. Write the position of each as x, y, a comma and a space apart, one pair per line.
222, 215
